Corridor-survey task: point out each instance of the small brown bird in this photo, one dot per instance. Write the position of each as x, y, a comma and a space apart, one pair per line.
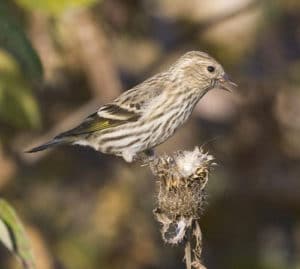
148, 114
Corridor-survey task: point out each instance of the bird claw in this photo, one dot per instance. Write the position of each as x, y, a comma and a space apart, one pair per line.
145, 157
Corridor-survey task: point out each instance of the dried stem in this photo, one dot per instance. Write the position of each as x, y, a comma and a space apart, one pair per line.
187, 255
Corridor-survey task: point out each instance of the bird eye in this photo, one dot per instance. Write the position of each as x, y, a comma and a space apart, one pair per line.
210, 69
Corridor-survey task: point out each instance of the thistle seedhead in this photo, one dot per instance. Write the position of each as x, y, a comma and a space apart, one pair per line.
181, 181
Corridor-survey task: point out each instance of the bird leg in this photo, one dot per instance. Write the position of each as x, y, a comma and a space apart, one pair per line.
145, 156
150, 153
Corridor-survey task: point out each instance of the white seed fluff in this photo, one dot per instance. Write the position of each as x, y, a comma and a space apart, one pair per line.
188, 161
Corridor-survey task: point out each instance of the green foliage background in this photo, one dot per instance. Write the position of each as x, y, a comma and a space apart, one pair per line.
54, 7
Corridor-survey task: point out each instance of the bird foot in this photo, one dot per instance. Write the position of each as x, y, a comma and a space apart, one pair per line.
146, 157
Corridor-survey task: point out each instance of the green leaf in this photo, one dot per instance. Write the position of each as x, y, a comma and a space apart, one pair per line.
13, 236
14, 41
54, 7
17, 104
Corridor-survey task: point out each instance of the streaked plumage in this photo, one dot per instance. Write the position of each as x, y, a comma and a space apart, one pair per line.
148, 114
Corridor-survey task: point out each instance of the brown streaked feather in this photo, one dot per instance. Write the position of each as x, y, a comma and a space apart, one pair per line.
117, 112
95, 123
138, 97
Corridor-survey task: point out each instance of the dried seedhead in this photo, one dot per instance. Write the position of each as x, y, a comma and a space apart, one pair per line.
181, 181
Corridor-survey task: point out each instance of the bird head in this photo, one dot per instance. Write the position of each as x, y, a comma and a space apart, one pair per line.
200, 72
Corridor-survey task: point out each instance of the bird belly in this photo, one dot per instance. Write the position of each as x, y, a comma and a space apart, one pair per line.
167, 126
125, 141
132, 138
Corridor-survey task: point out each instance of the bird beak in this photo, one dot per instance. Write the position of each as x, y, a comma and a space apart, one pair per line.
226, 84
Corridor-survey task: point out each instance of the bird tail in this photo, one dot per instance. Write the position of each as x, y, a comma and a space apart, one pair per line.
54, 142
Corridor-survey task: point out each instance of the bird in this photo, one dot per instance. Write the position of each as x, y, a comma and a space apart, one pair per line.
149, 113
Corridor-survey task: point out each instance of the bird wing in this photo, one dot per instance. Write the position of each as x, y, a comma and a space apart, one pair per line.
139, 97
108, 116
128, 107
118, 112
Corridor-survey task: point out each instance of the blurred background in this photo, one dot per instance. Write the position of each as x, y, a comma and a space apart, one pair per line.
60, 60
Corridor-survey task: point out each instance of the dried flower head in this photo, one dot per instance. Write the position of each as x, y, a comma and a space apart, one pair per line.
181, 181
